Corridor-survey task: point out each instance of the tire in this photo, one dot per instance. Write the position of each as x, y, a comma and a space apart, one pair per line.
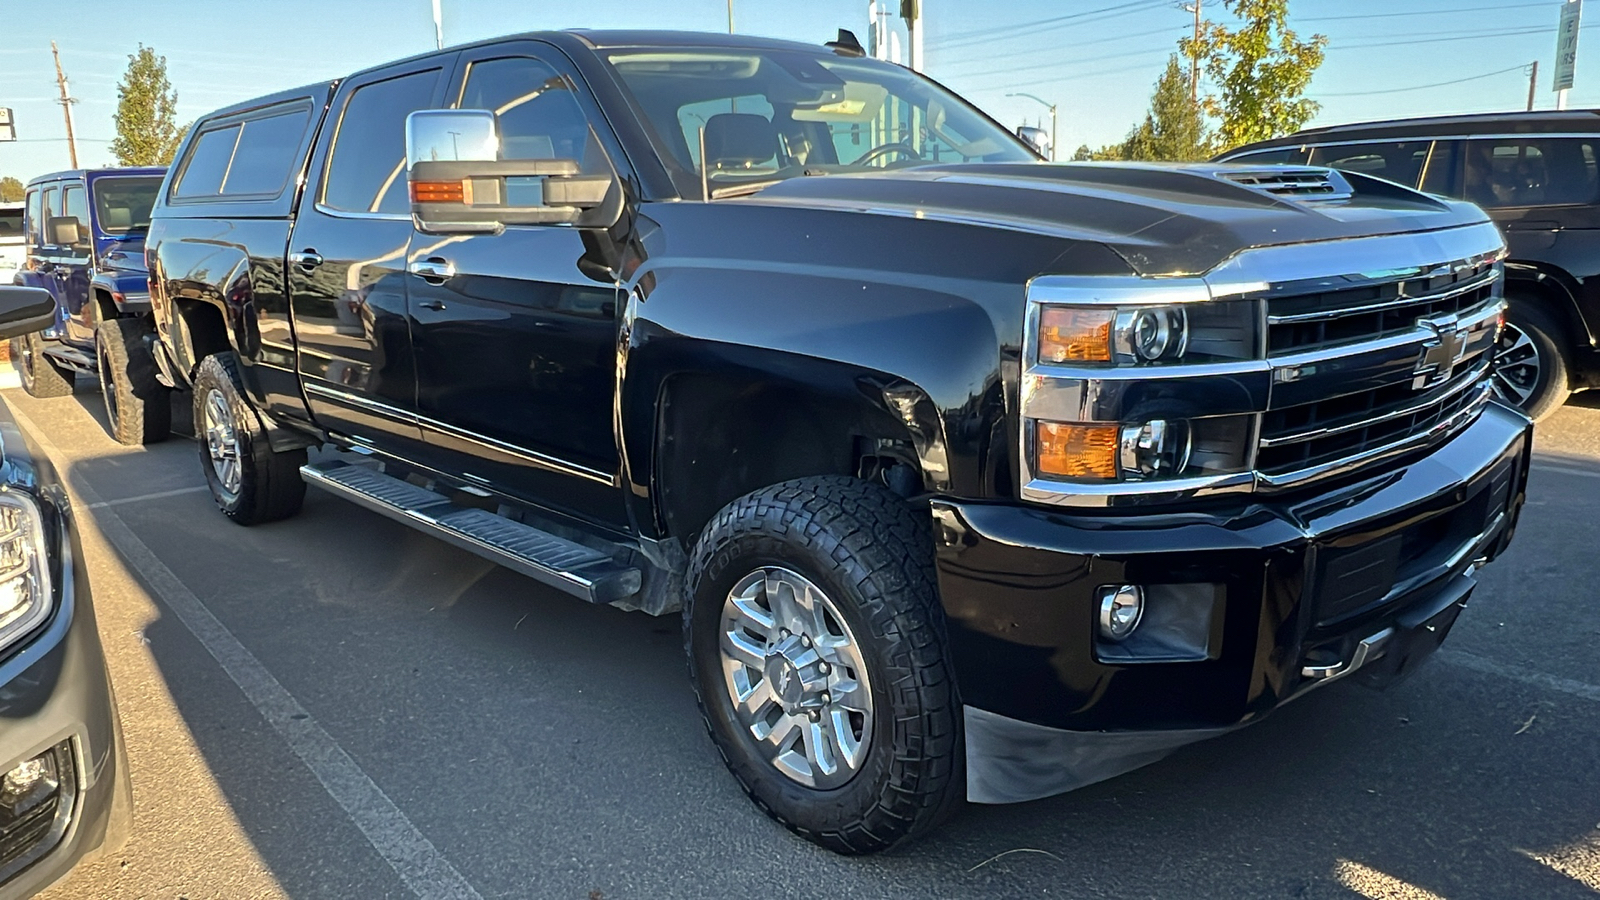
138, 407
41, 376
871, 558
1531, 370
250, 483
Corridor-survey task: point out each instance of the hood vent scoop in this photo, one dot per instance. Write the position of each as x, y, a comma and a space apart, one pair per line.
1300, 184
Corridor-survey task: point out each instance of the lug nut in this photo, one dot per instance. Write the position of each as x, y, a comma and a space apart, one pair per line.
783, 632
823, 668
825, 698
805, 640
815, 716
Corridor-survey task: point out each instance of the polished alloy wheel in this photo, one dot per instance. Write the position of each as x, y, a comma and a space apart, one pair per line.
222, 442
796, 677
1517, 366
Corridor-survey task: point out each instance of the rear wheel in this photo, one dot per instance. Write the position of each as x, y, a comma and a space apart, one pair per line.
41, 376
250, 482
1530, 367
138, 406
818, 653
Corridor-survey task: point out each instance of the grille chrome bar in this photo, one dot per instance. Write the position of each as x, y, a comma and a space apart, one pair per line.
1438, 398
1411, 442
1400, 302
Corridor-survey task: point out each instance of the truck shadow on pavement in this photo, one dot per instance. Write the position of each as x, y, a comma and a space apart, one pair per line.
548, 748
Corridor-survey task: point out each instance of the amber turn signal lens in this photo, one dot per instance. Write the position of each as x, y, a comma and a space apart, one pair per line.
1076, 451
438, 192
1075, 335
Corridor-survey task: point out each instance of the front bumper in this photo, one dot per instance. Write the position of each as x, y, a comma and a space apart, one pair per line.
1362, 581
55, 695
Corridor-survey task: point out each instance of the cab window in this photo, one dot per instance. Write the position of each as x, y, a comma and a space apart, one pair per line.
1277, 156
367, 165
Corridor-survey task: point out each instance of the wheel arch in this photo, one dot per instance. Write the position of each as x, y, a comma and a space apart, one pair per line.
1555, 291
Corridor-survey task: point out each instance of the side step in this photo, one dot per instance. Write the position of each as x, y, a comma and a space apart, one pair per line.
71, 356
581, 571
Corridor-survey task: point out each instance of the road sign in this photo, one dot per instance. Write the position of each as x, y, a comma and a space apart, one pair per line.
1567, 45
8, 130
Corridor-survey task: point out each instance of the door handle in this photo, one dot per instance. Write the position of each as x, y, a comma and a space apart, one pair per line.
435, 305
306, 259
433, 269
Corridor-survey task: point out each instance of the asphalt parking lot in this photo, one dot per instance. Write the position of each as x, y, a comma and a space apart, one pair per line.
335, 706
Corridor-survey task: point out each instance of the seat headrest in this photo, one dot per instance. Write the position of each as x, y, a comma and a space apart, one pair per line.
739, 140
117, 217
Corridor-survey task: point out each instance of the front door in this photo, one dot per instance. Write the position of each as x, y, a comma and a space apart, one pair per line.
346, 264
516, 345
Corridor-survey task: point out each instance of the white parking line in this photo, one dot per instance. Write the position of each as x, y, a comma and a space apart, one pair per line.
413, 857
1517, 673
1563, 470
158, 495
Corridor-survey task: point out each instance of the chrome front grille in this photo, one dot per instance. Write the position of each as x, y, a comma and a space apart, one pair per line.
1364, 350
1334, 316
1311, 436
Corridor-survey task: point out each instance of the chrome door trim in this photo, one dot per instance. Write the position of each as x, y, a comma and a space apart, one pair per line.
534, 457
382, 409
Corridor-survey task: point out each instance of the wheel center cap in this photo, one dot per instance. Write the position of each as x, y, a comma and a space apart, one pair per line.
796, 673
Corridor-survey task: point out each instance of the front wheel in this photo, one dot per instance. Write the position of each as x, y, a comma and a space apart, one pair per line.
819, 658
1530, 368
250, 482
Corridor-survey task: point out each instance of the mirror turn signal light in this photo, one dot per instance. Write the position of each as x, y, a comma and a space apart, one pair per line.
1066, 450
1070, 334
440, 192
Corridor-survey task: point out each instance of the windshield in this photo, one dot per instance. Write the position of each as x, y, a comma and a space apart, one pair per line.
10, 225
767, 115
122, 204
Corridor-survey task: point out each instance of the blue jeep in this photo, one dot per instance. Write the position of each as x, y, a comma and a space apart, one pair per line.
84, 231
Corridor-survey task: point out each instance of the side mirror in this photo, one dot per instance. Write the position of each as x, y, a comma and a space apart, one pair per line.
1037, 138
459, 184
65, 231
24, 310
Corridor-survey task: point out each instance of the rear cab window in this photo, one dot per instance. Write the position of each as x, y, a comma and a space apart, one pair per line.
251, 159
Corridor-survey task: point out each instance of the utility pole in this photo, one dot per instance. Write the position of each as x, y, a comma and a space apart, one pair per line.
1533, 79
1194, 55
438, 26
730, 16
911, 11
66, 102
1052, 108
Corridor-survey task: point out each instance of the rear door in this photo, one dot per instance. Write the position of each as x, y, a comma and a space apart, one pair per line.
516, 348
347, 255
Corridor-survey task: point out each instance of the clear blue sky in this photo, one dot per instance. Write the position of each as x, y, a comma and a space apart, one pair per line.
1096, 58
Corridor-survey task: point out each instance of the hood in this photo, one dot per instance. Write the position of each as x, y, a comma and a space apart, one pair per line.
1160, 219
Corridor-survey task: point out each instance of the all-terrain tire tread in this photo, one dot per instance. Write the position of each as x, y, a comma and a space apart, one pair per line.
883, 548
144, 405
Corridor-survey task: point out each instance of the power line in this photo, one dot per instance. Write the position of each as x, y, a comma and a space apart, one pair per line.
988, 54
1107, 12
1422, 87
1429, 12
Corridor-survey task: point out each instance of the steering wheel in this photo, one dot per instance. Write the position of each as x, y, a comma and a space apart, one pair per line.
900, 147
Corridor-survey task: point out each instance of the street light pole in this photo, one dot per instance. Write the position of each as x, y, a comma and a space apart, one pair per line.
1052, 108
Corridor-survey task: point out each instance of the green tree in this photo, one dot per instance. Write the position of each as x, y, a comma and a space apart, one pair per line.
1261, 69
147, 125
10, 190
1174, 129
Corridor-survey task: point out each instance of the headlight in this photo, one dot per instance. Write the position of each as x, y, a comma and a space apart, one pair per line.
24, 570
1133, 335
1157, 448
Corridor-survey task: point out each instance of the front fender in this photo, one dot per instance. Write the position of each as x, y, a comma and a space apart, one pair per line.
133, 289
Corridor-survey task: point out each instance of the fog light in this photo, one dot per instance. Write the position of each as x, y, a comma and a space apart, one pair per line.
1121, 608
1155, 448
29, 784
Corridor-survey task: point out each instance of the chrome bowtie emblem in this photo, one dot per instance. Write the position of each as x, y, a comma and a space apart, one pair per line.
1440, 353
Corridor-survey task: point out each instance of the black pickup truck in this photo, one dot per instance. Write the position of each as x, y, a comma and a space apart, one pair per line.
973, 477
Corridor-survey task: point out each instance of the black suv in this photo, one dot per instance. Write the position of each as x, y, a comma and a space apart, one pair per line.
1536, 175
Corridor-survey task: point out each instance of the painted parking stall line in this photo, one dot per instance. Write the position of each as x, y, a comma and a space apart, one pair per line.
413, 857
158, 495
1517, 673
